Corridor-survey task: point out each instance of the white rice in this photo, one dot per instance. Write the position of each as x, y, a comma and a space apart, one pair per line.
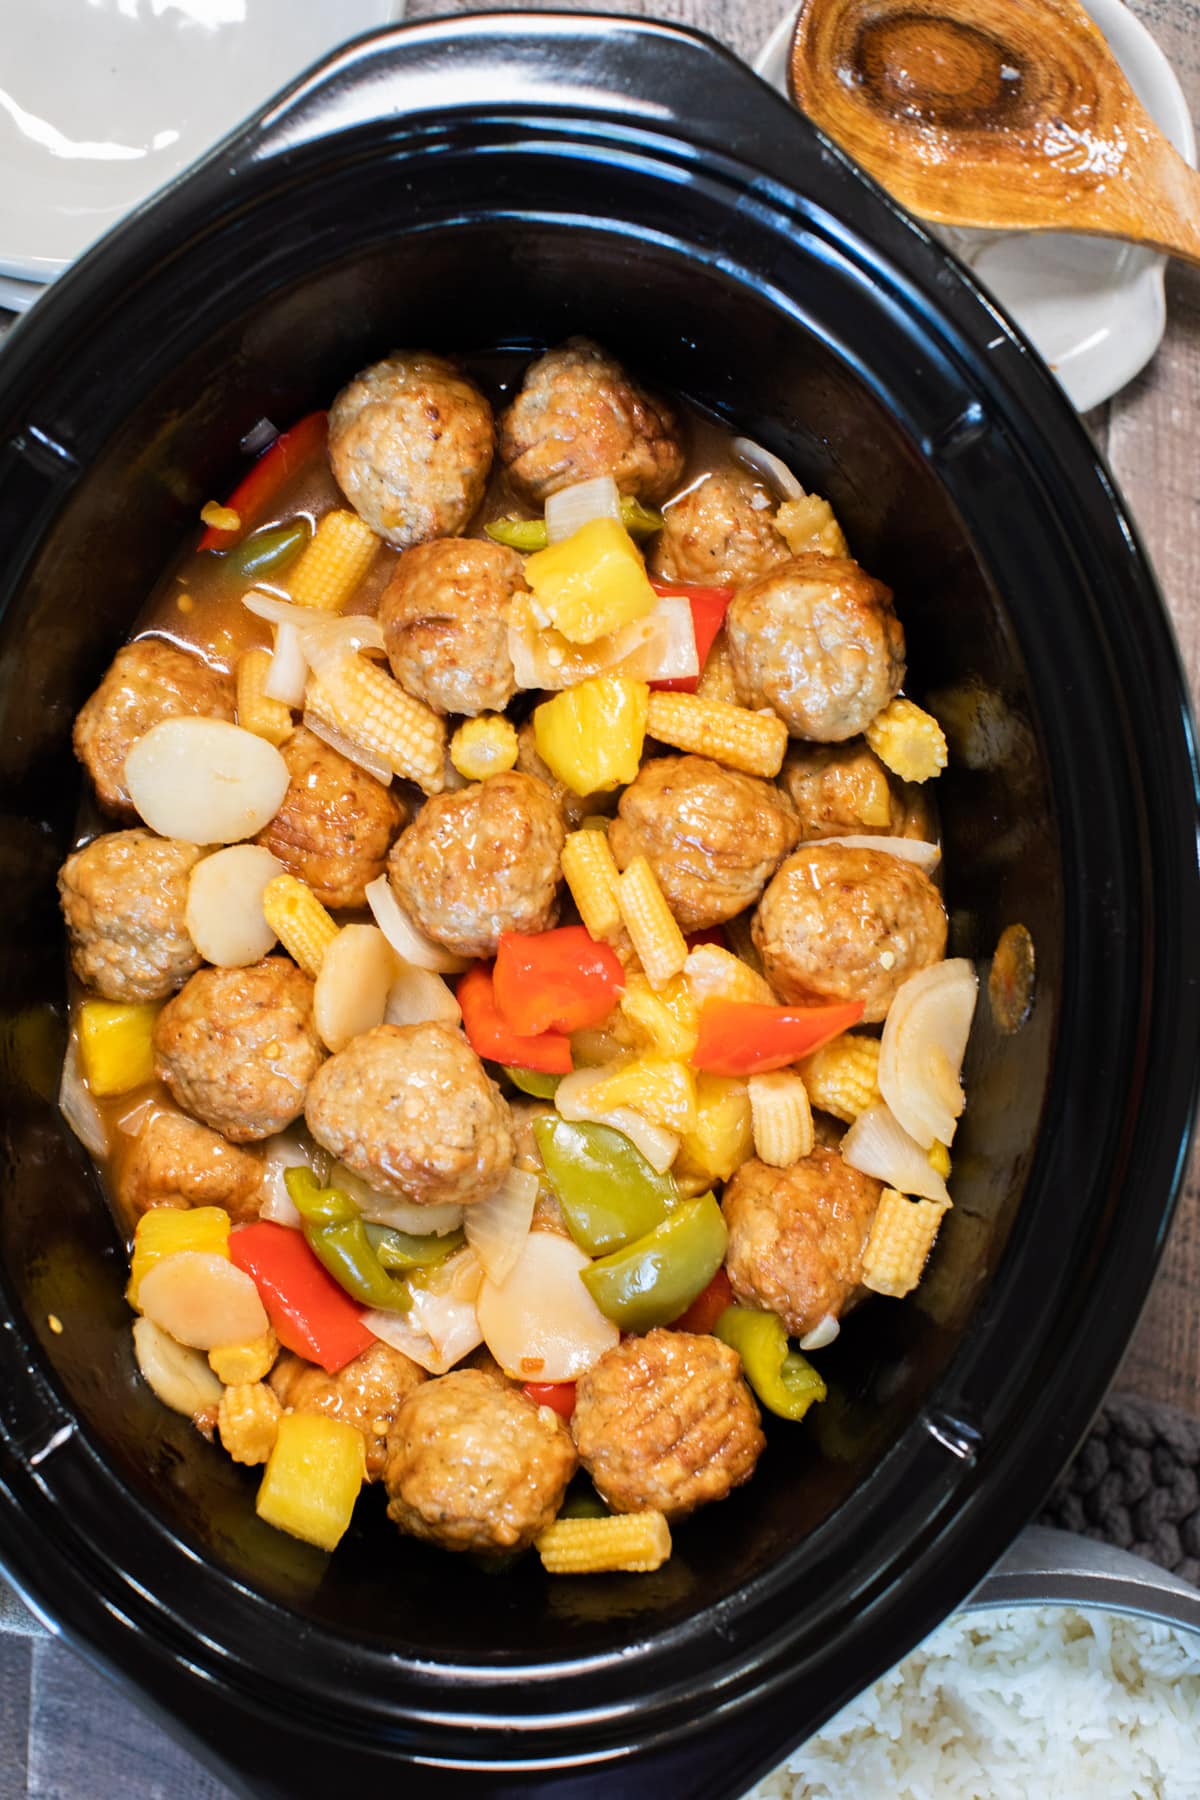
1022, 1703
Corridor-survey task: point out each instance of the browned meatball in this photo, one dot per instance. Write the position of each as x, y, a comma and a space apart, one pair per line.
445, 624
817, 640
367, 1393
667, 1421
713, 837
411, 441
481, 861
123, 897
839, 924
336, 823
797, 1236
473, 1465
719, 533
238, 1048
579, 415
173, 1161
148, 681
841, 790
410, 1109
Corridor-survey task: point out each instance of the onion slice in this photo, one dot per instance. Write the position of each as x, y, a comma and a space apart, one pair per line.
764, 462
573, 507
661, 646
410, 944
913, 850
345, 746
822, 1333
77, 1106
418, 997
287, 676
541, 1324
498, 1226
291, 1149
658, 1146
878, 1146
324, 637
922, 1049
385, 1209
442, 1326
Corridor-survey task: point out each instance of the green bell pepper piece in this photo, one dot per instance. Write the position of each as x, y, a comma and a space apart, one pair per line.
315, 1204
608, 1191
639, 521
784, 1381
265, 550
338, 1238
400, 1251
530, 534
650, 1282
532, 1081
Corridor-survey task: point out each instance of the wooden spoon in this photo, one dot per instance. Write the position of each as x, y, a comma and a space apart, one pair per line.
1000, 114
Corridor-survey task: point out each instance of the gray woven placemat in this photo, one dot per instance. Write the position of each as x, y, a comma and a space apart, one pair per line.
1136, 1484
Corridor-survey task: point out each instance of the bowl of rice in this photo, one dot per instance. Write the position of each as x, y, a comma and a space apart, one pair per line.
1073, 1670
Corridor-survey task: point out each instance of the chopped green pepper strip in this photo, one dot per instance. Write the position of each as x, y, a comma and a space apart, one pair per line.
338, 1238
400, 1251
527, 535
784, 1381
315, 1204
265, 550
532, 1081
650, 1282
639, 520
608, 1191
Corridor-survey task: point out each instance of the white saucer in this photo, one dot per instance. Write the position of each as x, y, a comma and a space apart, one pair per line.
1093, 307
102, 101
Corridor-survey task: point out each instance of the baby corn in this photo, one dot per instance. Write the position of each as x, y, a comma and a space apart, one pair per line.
256, 711
299, 921
334, 563
590, 872
809, 524
901, 1238
358, 699
484, 746
657, 939
782, 1118
753, 742
248, 1419
634, 1542
909, 741
239, 1364
842, 1077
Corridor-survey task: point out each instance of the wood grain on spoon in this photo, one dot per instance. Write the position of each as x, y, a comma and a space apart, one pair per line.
1001, 114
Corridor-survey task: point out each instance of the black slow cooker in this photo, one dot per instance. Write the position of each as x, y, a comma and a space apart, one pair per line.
507, 181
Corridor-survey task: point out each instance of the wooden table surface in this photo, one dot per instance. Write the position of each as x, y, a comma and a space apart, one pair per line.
63, 1733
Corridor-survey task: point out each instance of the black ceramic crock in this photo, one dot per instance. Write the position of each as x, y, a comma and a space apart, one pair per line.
510, 180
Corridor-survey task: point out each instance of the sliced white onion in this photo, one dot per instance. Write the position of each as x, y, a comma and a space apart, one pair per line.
498, 1226
77, 1106
443, 1325
288, 673
351, 990
202, 1300
879, 1146
922, 1049
409, 943
764, 462
661, 646
575, 506
913, 850
224, 915
346, 746
291, 1149
658, 1146
385, 1209
134, 1120
180, 1377
205, 781
324, 637
822, 1333
541, 1324
258, 437
418, 997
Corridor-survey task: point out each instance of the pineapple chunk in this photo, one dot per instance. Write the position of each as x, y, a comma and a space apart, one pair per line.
591, 736
167, 1231
723, 1138
665, 1021
662, 1091
591, 583
312, 1478
116, 1045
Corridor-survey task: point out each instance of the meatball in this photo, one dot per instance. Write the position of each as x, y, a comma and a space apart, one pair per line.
841, 790
840, 924
473, 1465
579, 415
667, 1421
148, 681
175, 1162
817, 640
411, 441
713, 837
797, 1236
123, 897
336, 823
367, 1393
445, 624
238, 1048
719, 533
410, 1109
481, 861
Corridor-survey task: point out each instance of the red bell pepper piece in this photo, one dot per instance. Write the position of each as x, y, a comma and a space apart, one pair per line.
490, 1036
557, 1394
555, 980
290, 451
311, 1314
709, 605
707, 1307
738, 1037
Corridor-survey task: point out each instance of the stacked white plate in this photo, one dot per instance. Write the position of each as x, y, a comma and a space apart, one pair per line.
102, 101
